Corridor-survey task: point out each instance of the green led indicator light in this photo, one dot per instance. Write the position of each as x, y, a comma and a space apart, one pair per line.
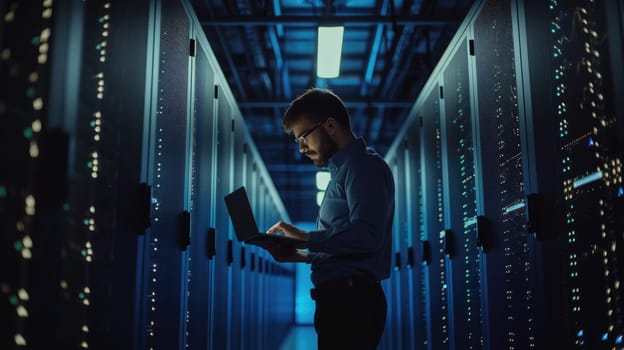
86, 222
13, 299
83, 252
36, 40
28, 133
66, 206
81, 295
3, 191
18, 246
31, 92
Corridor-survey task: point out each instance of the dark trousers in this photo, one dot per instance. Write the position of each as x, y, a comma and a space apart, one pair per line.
350, 314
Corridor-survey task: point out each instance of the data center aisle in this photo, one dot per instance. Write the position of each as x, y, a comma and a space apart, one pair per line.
300, 338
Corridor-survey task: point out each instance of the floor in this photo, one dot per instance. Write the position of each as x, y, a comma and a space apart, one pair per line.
300, 338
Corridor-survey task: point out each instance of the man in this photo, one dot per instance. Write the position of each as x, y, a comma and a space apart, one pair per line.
350, 250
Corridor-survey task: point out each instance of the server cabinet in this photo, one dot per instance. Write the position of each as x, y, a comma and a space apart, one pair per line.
509, 259
108, 134
418, 280
82, 198
237, 146
392, 288
254, 266
221, 293
263, 259
29, 251
525, 228
203, 187
106, 212
433, 249
245, 274
460, 185
406, 294
165, 255
407, 306
575, 133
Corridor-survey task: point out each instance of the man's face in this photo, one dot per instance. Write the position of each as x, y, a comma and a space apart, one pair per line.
317, 143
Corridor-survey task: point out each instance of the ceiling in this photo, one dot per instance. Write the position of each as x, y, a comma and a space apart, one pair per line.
267, 51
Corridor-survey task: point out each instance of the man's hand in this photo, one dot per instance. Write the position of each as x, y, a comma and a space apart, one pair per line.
284, 253
289, 231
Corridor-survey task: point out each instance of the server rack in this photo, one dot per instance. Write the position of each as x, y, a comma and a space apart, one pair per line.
113, 223
203, 214
521, 180
165, 256
25, 69
576, 102
502, 231
433, 252
418, 278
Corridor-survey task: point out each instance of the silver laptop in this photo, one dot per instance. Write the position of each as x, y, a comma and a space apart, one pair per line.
244, 222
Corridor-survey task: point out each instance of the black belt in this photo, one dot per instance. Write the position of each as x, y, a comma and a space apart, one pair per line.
342, 283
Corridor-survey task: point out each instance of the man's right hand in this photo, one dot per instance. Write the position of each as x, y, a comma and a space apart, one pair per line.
289, 231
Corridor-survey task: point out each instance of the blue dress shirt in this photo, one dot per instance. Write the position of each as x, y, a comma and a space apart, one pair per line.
354, 226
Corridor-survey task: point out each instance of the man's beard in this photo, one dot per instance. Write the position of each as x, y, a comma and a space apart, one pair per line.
327, 149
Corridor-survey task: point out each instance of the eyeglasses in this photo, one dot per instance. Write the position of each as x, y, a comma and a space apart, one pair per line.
301, 139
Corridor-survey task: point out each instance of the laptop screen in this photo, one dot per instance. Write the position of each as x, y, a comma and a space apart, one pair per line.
241, 215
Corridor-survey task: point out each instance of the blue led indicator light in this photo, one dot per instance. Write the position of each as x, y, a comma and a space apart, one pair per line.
605, 337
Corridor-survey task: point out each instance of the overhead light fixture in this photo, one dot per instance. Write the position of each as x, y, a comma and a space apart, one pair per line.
329, 51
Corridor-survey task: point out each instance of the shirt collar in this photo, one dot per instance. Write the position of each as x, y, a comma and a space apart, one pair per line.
336, 161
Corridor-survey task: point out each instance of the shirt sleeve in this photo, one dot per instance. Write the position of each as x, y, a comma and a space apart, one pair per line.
369, 189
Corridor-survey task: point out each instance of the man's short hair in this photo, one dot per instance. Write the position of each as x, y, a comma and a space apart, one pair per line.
317, 105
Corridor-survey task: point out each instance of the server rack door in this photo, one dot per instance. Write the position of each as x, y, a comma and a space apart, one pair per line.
266, 277
397, 278
30, 253
391, 332
254, 267
262, 283
465, 279
165, 257
238, 145
272, 320
574, 88
105, 174
221, 313
84, 243
503, 232
417, 279
202, 202
433, 213
245, 275
407, 277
